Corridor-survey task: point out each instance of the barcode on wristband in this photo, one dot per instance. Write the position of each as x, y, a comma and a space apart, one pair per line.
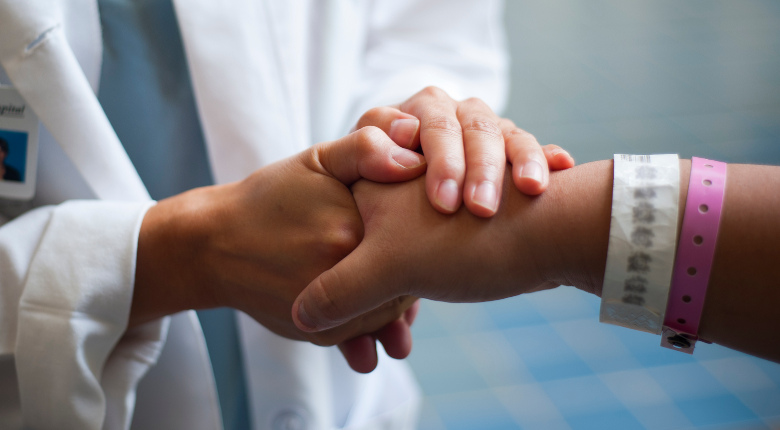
631, 158
642, 236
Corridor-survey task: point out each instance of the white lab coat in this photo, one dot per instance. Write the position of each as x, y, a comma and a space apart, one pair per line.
270, 78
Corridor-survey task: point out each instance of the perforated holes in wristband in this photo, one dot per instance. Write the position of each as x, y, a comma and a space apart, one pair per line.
695, 254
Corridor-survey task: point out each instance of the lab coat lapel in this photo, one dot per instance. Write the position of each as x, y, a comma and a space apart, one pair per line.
51, 52
239, 84
38, 56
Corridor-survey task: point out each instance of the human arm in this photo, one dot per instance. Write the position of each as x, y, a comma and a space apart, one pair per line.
450, 57
467, 146
254, 244
541, 242
68, 276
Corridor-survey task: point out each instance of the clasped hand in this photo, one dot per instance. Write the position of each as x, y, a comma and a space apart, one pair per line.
255, 245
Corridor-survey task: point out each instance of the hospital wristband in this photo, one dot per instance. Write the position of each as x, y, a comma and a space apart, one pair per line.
695, 253
642, 240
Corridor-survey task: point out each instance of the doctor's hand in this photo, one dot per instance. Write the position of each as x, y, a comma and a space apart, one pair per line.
254, 245
467, 147
531, 244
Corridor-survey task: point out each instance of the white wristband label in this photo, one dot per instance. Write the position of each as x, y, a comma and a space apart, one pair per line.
642, 241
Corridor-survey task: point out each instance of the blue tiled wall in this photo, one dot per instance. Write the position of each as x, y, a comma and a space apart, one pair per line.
600, 77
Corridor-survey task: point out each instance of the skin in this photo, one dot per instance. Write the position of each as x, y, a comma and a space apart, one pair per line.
456, 137
2, 163
537, 243
255, 244
454, 134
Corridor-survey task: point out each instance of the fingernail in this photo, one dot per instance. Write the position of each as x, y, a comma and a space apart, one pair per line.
558, 152
402, 131
533, 170
304, 318
447, 195
407, 158
485, 196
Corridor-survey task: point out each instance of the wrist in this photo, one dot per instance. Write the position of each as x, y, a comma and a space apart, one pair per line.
589, 195
170, 275
578, 217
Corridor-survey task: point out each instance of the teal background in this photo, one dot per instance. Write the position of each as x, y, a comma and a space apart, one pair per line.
600, 77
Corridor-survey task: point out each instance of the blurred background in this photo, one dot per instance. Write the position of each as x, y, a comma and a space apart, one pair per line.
600, 77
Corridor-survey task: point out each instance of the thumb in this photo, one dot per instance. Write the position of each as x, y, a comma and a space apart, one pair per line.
367, 153
351, 288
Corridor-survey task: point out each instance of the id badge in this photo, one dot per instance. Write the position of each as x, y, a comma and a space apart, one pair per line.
18, 146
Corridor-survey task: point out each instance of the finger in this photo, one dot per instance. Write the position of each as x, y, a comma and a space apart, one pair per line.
366, 153
351, 288
360, 353
410, 315
557, 157
530, 171
441, 139
396, 338
401, 127
483, 143
547, 285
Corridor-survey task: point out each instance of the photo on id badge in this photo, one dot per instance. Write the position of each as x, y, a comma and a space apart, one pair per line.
18, 146
13, 155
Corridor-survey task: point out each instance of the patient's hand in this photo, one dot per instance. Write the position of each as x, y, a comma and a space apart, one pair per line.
533, 243
467, 146
411, 249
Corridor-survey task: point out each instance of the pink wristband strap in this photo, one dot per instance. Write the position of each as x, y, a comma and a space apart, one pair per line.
695, 253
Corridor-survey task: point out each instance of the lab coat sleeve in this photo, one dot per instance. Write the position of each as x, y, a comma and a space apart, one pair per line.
456, 45
66, 285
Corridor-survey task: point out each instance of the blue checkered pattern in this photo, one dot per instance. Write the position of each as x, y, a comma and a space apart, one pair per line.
543, 361
602, 77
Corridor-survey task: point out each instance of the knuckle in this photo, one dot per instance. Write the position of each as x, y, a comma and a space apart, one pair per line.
434, 91
367, 138
317, 156
521, 134
374, 112
475, 102
485, 169
506, 124
319, 150
444, 125
481, 126
448, 166
339, 241
373, 115
486, 163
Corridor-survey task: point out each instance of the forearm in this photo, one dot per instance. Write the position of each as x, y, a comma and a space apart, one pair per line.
557, 238
739, 310
575, 212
